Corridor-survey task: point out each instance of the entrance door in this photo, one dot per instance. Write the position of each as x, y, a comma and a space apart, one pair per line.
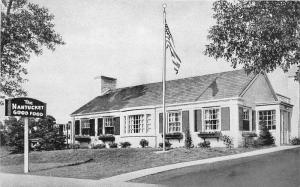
284, 127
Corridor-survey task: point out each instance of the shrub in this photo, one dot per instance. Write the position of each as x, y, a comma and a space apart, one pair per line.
205, 144
248, 142
99, 146
107, 138
248, 139
256, 143
144, 143
74, 146
188, 139
113, 145
125, 144
167, 144
295, 141
227, 140
265, 137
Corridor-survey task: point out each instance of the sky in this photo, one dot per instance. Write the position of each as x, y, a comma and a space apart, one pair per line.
121, 39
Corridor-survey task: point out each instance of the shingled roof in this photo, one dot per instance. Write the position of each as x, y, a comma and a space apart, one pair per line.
199, 88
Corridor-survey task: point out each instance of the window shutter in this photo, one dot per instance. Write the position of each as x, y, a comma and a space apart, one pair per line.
198, 120
77, 126
117, 125
100, 126
240, 118
92, 127
160, 122
253, 120
225, 118
185, 121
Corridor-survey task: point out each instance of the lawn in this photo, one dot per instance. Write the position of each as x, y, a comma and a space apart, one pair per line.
101, 163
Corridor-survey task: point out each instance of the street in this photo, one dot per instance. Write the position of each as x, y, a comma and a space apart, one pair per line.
274, 169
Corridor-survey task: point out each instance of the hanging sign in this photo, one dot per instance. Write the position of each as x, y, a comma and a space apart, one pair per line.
25, 107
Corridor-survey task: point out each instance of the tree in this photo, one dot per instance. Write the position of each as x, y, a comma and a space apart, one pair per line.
26, 29
259, 35
188, 142
48, 132
45, 129
15, 134
265, 137
3, 134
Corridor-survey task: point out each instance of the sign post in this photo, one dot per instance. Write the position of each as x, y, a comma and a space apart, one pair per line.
25, 107
26, 152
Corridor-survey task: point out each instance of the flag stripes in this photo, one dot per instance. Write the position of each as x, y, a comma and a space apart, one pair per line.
170, 45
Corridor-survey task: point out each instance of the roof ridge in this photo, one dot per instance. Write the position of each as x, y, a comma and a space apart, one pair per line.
126, 87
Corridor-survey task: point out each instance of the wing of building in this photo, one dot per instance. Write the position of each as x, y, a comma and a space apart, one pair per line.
232, 103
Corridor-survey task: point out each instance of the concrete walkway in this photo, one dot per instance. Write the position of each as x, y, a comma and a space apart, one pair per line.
150, 171
22, 180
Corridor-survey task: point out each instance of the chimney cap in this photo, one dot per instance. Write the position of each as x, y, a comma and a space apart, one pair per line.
109, 78
105, 77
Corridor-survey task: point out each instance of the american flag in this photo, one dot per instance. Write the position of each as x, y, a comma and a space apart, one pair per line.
170, 44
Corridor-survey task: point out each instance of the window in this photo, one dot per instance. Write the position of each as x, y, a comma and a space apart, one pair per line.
269, 117
85, 127
108, 125
136, 124
246, 124
140, 123
211, 119
174, 122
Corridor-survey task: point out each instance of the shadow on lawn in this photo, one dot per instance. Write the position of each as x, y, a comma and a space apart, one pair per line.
65, 165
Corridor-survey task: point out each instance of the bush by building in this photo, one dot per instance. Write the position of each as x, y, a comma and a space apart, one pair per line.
107, 138
113, 145
227, 140
125, 144
204, 144
265, 137
188, 142
295, 141
144, 143
99, 146
167, 144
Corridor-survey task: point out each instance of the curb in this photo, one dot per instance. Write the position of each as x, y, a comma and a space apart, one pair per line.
150, 171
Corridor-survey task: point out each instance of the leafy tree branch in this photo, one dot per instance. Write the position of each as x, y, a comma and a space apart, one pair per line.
26, 29
259, 35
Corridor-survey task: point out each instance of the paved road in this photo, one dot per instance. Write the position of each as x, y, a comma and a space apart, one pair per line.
274, 170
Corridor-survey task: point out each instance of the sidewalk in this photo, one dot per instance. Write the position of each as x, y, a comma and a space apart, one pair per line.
150, 171
22, 180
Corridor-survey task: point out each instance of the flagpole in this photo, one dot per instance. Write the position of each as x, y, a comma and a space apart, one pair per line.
164, 79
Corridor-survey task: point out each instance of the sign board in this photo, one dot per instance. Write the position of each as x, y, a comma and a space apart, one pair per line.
25, 107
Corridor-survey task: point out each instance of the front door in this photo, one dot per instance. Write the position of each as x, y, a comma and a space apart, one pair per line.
284, 139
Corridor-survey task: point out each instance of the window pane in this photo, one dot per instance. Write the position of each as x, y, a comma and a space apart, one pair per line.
211, 118
108, 125
136, 123
174, 122
269, 116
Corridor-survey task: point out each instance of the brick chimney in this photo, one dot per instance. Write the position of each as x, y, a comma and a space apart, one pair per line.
107, 83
